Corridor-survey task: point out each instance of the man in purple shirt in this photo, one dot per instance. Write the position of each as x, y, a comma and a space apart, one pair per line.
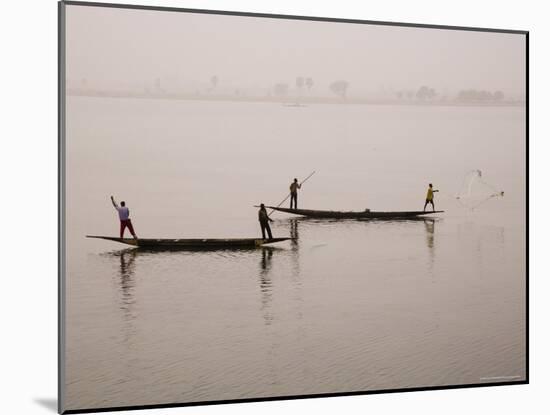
124, 216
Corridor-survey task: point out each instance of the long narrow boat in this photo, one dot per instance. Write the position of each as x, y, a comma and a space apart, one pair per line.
195, 244
367, 214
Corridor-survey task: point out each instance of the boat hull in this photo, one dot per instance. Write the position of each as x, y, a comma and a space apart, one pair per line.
193, 244
333, 214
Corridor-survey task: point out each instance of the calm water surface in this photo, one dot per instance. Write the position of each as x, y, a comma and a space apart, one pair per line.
349, 306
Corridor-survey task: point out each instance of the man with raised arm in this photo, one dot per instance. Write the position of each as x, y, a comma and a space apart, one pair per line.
124, 216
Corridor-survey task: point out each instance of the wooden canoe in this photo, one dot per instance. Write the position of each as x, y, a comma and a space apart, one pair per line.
334, 214
192, 244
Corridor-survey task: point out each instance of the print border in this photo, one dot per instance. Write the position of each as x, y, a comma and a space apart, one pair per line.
61, 203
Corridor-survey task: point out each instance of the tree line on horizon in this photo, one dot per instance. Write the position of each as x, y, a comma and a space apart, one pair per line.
339, 88
426, 93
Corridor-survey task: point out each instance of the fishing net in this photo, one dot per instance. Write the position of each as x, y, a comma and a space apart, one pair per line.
475, 191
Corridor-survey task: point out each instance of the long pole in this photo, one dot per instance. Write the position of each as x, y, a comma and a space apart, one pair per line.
286, 198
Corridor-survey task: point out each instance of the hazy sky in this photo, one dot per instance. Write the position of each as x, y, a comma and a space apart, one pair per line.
137, 46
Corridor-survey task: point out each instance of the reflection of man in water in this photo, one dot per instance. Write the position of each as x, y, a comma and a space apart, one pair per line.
294, 186
430, 227
430, 197
266, 285
124, 216
266, 259
294, 231
127, 258
430, 231
264, 219
127, 290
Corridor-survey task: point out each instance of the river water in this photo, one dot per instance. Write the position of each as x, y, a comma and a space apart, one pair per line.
350, 306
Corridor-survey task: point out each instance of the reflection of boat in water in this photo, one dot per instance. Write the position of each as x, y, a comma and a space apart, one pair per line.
295, 104
193, 244
367, 214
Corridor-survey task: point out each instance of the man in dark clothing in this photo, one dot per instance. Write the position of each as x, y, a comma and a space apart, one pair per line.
294, 186
264, 219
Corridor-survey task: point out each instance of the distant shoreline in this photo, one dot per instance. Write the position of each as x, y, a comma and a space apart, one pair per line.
292, 101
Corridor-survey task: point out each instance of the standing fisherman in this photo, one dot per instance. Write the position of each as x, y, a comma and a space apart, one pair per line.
124, 216
294, 186
430, 197
264, 219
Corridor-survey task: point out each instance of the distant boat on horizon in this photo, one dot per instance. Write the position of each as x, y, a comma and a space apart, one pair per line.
294, 104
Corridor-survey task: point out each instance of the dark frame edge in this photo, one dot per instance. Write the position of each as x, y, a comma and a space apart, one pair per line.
61, 206
290, 17
527, 207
